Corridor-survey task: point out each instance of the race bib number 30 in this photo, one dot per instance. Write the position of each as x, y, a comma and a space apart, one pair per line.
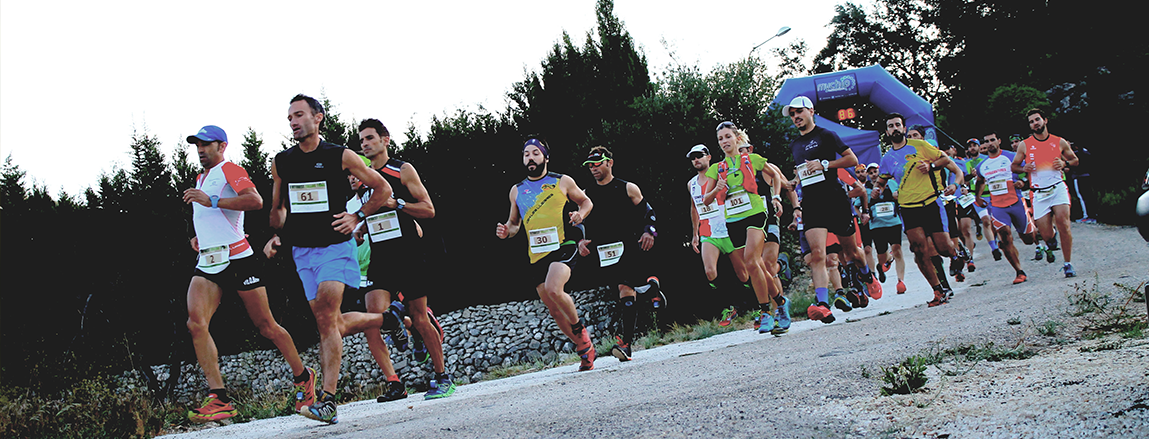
737, 202
544, 240
810, 176
609, 254
384, 226
308, 197
213, 260
884, 210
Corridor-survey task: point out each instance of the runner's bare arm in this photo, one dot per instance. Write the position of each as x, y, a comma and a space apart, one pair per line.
278, 214
646, 241
710, 189
345, 222
694, 223
511, 227
421, 206
577, 196
847, 160
1017, 167
1067, 154
953, 167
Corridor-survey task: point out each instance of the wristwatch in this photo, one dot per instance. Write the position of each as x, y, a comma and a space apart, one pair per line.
214, 201
825, 165
402, 204
360, 215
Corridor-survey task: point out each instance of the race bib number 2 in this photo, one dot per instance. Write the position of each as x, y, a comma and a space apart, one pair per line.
308, 197
544, 240
213, 260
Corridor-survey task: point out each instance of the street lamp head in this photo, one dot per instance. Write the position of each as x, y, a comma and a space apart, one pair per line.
782, 31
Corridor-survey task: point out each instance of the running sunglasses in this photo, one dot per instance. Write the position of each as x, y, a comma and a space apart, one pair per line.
595, 160
696, 155
726, 124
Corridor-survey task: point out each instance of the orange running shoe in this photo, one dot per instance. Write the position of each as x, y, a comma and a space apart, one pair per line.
585, 350
212, 410
305, 392
820, 311
1020, 278
901, 287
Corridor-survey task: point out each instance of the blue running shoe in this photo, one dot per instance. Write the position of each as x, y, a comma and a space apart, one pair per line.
782, 318
767, 323
841, 302
1069, 271
784, 271
441, 387
324, 411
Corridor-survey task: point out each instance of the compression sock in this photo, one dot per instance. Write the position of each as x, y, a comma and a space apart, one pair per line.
993, 244
779, 300
765, 307
937, 260
221, 394
577, 328
301, 377
629, 318
822, 295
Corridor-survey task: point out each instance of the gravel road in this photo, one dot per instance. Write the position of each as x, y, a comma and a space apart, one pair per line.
812, 382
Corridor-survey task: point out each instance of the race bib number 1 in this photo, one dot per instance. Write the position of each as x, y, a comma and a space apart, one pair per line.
544, 240
810, 176
384, 226
737, 202
609, 254
308, 197
213, 260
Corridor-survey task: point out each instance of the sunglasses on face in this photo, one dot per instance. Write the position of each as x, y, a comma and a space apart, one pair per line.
595, 164
726, 125
696, 155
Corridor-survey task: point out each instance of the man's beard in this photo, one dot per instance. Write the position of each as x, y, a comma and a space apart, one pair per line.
537, 172
1039, 130
896, 137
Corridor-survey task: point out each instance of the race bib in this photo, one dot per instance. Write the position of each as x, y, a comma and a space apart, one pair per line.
1042, 196
883, 210
810, 176
384, 226
707, 211
308, 197
609, 254
1000, 187
544, 240
213, 260
966, 200
738, 202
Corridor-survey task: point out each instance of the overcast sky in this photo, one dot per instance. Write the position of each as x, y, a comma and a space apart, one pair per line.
77, 78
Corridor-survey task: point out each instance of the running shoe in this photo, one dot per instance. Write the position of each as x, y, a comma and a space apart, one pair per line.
997, 254
1068, 269
1039, 253
841, 302
212, 410
658, 302
882, 275
886, 266
948, 292
442, 386
419, 351
620, 350
955, 267
728, 316
756, 317
305, 392
398, 335
939, 298
820, 311
1049, 257
767, 323
782, 318
1054, 245
901, 287
396, 390
963, 252
1020, 278
873, 287
585, 350
960, 277
784, 271
863, 298
970, 267
979, 234
324, 411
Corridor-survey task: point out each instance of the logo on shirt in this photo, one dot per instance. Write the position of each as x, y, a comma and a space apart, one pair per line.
251, 280
548, 186
813, 144
319, 165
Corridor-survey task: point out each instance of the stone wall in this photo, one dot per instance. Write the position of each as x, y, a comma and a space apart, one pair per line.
478, 339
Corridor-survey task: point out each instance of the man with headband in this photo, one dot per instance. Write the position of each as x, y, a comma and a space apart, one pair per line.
623, 230
537, 203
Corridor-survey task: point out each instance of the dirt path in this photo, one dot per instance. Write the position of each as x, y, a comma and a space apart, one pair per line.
823, 380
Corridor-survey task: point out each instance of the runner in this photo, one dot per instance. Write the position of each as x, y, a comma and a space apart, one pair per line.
1005, 203
816, 153
227, 261
862, 211
310, 189
537, 202
914, 164
886, 226
708, 223
732, 183
992, 141
624, 224
399, 261
1045, 156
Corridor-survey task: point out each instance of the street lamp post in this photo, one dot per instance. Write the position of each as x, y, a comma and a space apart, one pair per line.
781, 32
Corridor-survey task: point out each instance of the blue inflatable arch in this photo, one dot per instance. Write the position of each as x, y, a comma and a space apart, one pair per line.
873, 84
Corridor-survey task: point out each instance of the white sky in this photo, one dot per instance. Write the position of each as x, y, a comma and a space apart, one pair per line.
77, 77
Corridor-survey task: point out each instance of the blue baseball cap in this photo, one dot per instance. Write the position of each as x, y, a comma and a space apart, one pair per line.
210, 133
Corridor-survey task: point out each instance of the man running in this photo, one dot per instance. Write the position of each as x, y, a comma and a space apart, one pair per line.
398, 260
623, 229
914, 164
309, 197
886, 226
537, 202
708, 223
1005, 203
221, 194
1045, 155
816, 155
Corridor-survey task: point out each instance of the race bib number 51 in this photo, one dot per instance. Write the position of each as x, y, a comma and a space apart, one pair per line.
609, 254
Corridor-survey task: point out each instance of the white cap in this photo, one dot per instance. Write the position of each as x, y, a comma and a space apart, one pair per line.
798, 102
698, 148
872, 165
